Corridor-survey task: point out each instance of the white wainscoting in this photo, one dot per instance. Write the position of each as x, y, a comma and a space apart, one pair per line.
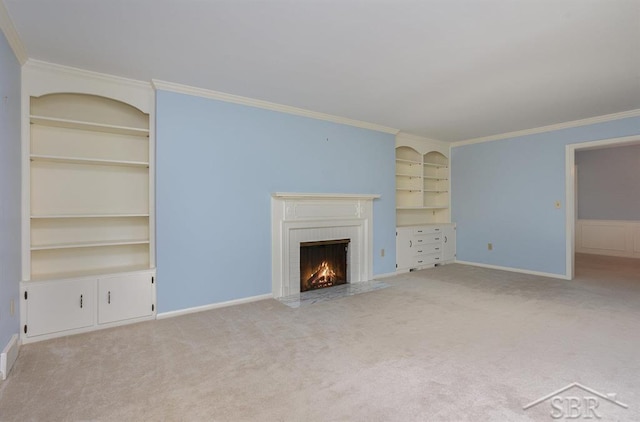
608, 237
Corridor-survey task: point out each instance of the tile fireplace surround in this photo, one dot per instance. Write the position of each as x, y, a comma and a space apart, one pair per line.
307, 217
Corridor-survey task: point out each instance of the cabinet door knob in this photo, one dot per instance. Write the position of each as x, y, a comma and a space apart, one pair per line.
445, 239
109, 297
410, 243
80, 301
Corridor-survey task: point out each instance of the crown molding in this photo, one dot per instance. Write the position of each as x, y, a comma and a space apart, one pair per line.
236, 99
6, 25
42, 78
412, 137
87, 74
558, 126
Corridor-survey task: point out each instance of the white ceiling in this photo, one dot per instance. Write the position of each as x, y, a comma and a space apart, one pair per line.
444, 69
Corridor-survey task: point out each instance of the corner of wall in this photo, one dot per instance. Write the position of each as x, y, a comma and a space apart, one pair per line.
6, 25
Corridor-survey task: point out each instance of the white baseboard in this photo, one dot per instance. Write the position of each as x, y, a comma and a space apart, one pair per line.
386, 275
9, 356
171, 314
514, 270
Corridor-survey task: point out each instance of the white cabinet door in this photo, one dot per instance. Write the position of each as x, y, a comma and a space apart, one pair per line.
448, 243
404, 251
59, 305
124, 297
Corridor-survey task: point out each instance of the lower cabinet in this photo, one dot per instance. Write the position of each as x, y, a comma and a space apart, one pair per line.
61, 307
424, 246
124, 297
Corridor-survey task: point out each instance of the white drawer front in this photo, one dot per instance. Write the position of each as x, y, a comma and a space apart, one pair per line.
427, 259
427, 249
427, 238
418, 231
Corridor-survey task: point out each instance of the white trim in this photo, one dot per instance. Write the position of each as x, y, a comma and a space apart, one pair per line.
13, 38
570, 210
83, 73
289, 195
513, 270
411, 137
9, 356
41, 78
386, 275
237, 99
549, 128
171, 314
570, 191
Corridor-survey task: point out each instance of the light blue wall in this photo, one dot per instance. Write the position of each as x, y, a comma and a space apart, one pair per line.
609, 183
504, 191
217, 165
9, 190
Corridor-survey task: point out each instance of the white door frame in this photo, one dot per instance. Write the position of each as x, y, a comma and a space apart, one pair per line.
570, 191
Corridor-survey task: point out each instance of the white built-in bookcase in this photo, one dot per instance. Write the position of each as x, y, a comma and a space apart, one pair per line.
422, 181
88, 195
89, 160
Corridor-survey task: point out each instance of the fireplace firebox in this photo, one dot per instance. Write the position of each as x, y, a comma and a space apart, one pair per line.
323, 264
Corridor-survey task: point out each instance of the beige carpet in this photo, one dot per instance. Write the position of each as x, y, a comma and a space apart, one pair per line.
454, 343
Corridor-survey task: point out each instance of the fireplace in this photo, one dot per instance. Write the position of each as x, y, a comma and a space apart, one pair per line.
299, 218
323, 264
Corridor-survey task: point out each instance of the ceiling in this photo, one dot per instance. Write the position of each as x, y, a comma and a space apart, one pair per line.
444, 69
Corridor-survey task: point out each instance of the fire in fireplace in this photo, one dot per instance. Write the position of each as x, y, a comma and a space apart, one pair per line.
323, 264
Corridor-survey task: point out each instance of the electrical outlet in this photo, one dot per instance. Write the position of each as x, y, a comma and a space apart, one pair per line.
558, 204
490, 246
382, 252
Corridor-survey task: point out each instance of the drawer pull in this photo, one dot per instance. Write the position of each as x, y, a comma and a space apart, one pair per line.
445, 239
419, 231
80, 301
411, 243
419, 262
437, 249
109, 297
419, 251
436, 258
437, 238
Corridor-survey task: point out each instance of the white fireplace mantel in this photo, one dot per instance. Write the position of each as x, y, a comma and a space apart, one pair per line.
301, 217
288, 195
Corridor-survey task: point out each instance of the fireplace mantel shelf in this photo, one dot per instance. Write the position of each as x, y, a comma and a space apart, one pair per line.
289, 195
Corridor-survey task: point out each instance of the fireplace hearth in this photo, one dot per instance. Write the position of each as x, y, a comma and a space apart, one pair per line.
323, 264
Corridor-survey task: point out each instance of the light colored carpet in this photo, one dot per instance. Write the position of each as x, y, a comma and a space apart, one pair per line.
454, 343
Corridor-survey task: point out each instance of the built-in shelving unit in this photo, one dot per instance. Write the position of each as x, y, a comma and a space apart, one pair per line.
88, 205
425, 236
89, 161
422, 186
